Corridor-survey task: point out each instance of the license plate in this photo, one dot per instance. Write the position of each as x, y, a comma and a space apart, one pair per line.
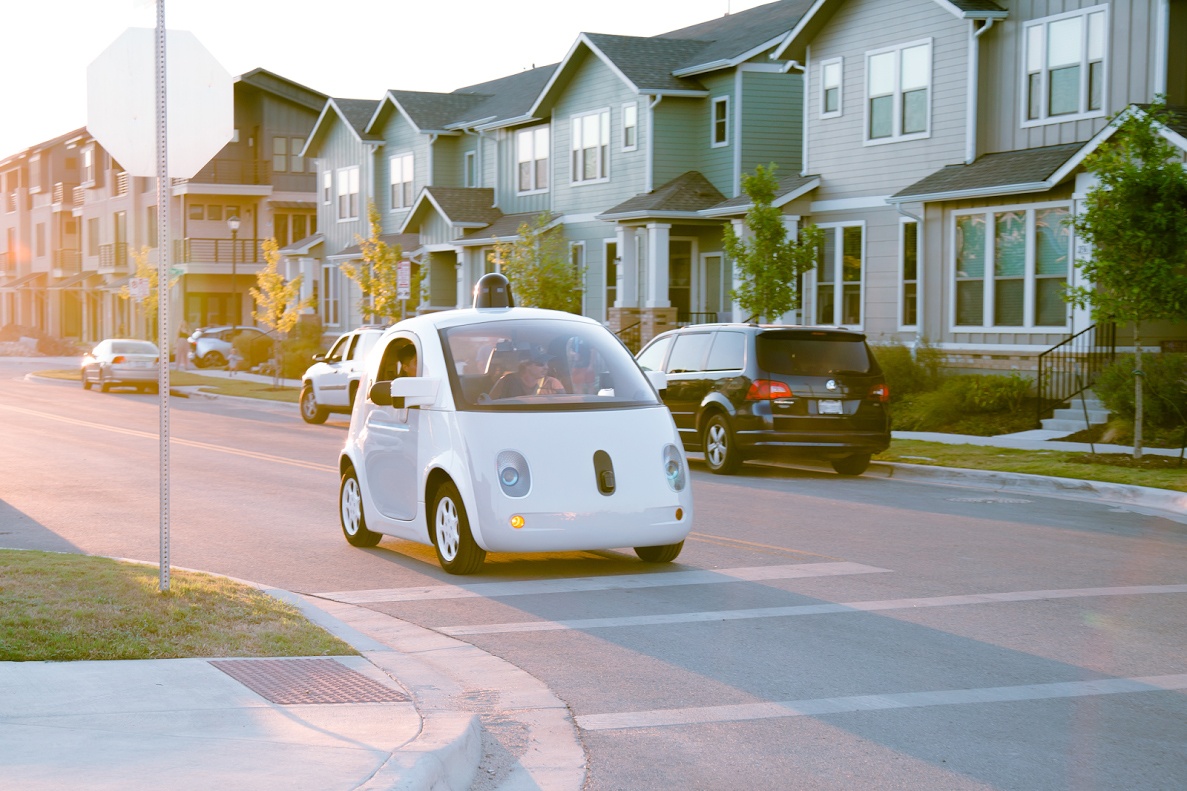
830, 407
141, 363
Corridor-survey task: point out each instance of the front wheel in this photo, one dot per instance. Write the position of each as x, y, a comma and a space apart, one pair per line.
311, 411
457, 552
350, 512
86, 382
104, 386
721, 452
664, 553
852, 465
213, 360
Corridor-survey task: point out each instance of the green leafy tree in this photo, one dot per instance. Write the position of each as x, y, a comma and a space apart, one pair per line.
540, 269
378, 274
276, 298
769, 263
1136, 221
150, 304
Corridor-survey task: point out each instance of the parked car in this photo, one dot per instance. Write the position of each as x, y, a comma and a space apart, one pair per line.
744, 391
210, 347
579, 455
122, 362
330, 384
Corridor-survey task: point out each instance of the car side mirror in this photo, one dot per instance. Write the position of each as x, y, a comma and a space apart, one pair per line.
407, 391
319, 358
658, 379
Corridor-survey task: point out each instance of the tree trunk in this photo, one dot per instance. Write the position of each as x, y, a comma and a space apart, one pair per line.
1138, 376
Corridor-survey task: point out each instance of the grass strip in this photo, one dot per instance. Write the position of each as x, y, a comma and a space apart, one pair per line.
215, 385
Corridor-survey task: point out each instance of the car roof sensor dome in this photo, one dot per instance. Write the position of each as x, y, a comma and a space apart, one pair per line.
493, 290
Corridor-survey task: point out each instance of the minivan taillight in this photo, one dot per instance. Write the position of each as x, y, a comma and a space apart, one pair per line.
118, 359
879, 393
767, 389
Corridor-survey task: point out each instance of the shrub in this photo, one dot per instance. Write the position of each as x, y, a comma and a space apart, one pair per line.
909, 371
967, 404
1164, 396
46, 344
254, 349
297, 350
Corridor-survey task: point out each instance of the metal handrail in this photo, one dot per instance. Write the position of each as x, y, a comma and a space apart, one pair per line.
1072, 366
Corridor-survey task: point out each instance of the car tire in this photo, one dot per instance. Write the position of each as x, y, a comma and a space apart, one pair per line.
665, 553
86, 382
457, 552
104, 385
350, 512
354, 391
311, 411
721, 451
852, 465
213, 360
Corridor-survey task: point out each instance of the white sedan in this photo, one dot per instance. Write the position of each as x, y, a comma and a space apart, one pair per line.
521, 430
122, 362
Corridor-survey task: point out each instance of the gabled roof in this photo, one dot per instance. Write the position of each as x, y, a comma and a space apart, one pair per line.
506, 228
284, 88
355, 113
735, 38
683, 196
467, 207
506, 99
303, 246
427, 112
405, 241
789, 188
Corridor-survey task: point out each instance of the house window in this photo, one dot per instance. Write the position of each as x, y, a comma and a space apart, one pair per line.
327, 186
719, 135
471, 169
88, 165
898, 88
331, 279
214, 212
630, 126
280, 154
591, 147
197, 211
909, 257
401, 181
348, 193
1012, 268
296, 161
840, 271
1065, 66
830, 88
531, 146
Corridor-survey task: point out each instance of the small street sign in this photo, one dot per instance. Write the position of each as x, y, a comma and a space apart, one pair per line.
138, 288
404, 280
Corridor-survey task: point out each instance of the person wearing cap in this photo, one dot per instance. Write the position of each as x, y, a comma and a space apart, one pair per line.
531, 378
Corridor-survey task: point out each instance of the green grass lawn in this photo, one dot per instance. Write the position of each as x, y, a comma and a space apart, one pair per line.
65, 607
215, 385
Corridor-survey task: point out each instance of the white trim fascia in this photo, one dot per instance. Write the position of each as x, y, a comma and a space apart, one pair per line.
794, 33
763, 68
243, 190
650, 215
387, 97
484, 241
850, 204
573, 219
981, 192
725, 63
779, 202
736, 138
962, 14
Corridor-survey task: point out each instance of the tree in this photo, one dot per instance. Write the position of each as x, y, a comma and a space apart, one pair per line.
149, 304
279, 309
378, 274
1135, 218
768, 264
540, 269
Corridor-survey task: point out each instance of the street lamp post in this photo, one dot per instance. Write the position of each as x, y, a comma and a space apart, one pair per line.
233, 224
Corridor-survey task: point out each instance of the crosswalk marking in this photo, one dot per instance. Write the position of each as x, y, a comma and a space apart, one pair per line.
617, 582
805, 609
904, 700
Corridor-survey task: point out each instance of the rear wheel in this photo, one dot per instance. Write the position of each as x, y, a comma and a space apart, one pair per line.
457, 552
721, 452
350, 512
852, 465
665, 553
311, 411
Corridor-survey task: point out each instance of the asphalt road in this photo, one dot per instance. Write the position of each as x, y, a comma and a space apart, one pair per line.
817, 632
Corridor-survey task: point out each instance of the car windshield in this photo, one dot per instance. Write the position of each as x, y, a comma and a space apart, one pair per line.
542, 364
813, 353
133, 347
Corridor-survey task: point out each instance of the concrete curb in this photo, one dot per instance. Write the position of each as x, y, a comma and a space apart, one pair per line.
444, 757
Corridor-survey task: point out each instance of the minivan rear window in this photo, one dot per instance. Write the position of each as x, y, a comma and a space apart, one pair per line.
813, 354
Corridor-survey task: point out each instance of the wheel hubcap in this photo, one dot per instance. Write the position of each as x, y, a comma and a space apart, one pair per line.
448, 535
351, 507
715, 447
308, 405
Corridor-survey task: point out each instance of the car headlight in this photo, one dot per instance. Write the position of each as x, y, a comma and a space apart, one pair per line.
512, 471
674, 468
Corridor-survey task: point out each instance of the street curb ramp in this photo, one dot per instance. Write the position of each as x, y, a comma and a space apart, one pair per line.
443, 757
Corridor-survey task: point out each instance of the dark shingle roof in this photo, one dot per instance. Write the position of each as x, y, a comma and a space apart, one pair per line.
507, 97
787, 185
466, 204
994, 172
357, 113
432, 112
733, 35
506, 226
649, 62
978, 6
688, 193
405, 241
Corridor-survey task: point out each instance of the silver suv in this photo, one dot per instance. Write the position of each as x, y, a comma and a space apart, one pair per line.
330, 384
210, 347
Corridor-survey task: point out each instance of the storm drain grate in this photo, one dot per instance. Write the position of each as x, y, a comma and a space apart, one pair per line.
295, 681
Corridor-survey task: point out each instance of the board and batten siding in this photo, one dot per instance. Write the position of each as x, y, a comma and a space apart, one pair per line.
771, 128
836, 149
716, 164
399, 137
1131, 72
340, 148
435, 230
677, 149
509, 200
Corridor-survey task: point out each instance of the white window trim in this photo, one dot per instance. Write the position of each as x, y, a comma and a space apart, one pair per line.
1046, 120
608, 303
897, 116
327, 187
719, 100
808, 299
987, 278
391, 184
343, 177
532, 131
840, 88
470, 169
573, 180
902, 272
635, 105
575, 249
331, 282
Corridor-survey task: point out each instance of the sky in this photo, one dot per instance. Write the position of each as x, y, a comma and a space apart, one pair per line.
353, 49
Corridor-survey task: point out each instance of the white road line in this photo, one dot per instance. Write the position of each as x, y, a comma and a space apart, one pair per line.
805, 609
905, 700
619, 582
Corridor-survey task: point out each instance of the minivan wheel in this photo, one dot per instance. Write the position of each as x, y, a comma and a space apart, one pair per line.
350, 512
852, 465
457, 552
721, 452
665, 553
311, 411
213, 360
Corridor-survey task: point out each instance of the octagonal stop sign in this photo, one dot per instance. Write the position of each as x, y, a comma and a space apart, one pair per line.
122, 102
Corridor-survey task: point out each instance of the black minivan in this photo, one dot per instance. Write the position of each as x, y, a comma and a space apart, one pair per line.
745, 391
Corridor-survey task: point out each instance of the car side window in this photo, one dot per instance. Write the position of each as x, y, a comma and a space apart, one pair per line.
689, 352
652, 358
728, 352
338, 350
350, 350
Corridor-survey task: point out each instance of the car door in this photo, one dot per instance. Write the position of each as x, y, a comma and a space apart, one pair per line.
687, 383
333, 380
391, 441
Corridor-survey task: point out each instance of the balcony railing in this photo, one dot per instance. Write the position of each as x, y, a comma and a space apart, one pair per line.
65, 195
193, 250
68, 262
1071, 367
113, 258
7, 262
80, 196
120, 182
10, 202
231, 171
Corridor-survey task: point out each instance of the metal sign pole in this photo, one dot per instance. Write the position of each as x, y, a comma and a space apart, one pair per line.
163, 337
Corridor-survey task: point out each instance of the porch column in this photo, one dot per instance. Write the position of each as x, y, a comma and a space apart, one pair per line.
741, 231
465, 279
657, 265
627, 285
1081, 318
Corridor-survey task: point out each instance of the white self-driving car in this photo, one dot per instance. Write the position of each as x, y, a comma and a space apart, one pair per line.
511, 430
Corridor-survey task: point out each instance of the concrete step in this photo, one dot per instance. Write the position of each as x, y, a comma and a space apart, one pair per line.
1070, 426
1076, 412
